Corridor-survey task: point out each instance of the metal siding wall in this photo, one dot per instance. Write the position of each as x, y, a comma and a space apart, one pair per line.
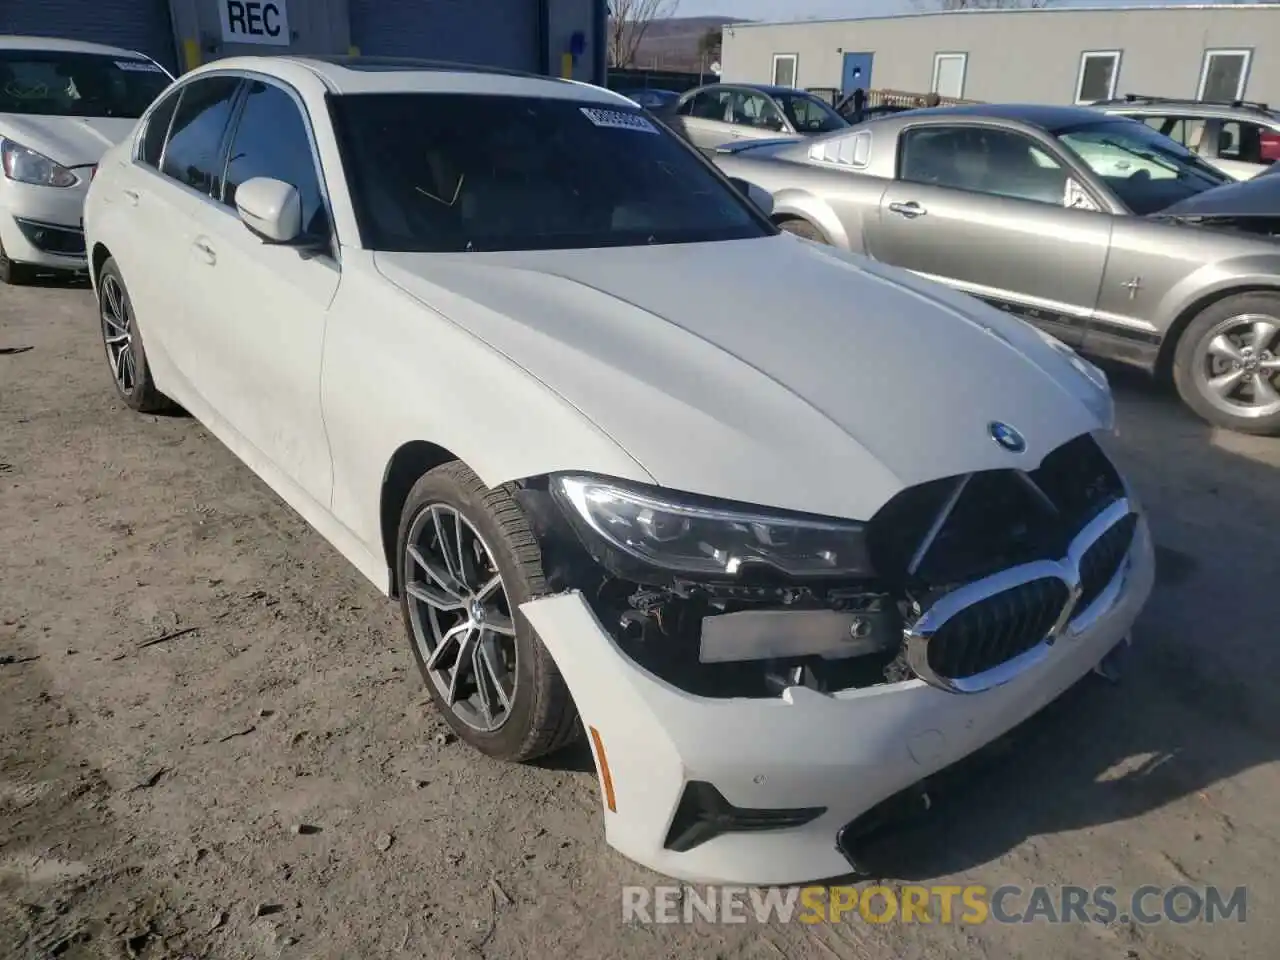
316, 26
1030, 56
491, 32
134, 24
567, 17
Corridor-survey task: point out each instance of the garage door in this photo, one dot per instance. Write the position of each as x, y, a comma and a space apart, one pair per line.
133, 24
501, 33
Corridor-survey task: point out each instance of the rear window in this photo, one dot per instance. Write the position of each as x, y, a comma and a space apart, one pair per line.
437, 172
61, 84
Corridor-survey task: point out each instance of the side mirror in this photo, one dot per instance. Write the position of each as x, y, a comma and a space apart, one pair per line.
271, 209
760, 197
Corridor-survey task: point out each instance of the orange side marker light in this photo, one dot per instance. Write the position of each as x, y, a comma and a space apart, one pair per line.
606, 777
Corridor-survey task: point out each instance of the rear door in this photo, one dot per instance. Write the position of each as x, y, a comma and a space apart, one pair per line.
169, 179
704, 118
985, 210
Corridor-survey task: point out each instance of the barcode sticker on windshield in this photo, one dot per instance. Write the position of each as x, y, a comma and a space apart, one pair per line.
138, 66
618, 120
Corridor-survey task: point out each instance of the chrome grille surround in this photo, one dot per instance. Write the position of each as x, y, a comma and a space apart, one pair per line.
1070, 622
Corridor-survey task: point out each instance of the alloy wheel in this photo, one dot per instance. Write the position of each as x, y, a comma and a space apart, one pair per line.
1237, 366
460, 617
117, 334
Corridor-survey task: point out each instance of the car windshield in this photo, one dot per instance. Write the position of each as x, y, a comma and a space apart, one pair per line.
437, 172
62, 84
1146, 170
810, 114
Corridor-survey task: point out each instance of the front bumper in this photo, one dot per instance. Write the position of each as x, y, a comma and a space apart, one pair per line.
844, 753
43, 226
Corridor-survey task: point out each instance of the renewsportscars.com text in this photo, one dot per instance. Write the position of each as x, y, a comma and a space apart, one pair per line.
968, 905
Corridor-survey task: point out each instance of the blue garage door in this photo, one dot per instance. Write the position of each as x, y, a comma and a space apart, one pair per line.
133, 24
500, 33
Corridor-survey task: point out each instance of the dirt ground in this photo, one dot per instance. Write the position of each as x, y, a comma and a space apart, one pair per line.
188, 675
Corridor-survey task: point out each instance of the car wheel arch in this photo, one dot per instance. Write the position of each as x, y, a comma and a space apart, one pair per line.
792, 205
1188, 313
97, 257
407, 465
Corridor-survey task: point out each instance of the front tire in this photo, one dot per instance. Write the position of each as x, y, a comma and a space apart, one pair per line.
13, 274
1227, 364
468, 560
122, 340
804, 229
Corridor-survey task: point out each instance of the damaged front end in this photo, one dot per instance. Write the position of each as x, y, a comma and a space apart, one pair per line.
1258, 225
729, 601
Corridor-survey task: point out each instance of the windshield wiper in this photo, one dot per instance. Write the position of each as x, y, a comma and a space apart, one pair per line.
1145, 155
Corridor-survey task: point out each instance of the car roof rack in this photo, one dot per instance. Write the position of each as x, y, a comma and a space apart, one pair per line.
1189, 101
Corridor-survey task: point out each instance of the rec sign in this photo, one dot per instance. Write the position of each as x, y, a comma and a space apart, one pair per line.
255, 21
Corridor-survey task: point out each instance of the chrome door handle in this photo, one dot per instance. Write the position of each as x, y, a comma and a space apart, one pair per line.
206, 252
910, 209
131, 196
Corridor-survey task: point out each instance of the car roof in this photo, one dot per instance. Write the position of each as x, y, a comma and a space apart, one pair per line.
769, 89
346, 75
1045, 116
56, 45
1191, 108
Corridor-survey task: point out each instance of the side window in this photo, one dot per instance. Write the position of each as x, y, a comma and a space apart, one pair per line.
198, 125
1186, 130
707, 106
271, 141
1240, 141
756, 110
153, 137
999, 163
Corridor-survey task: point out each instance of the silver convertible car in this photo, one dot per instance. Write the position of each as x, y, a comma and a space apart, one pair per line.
1106, 234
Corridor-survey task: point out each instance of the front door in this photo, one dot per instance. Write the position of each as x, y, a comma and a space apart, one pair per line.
857, 72
982, 210
262, 307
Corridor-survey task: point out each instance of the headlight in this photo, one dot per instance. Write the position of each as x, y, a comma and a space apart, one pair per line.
1099, 399
699, 537
27, 166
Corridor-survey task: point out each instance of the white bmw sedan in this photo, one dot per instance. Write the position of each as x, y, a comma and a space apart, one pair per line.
783, 532
62, 104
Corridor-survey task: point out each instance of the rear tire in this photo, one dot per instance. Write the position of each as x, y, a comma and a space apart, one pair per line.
126, 356
804, 229
490, 676
1226, 365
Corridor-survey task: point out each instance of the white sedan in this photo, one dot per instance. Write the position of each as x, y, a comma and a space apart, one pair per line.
783, 531
62, 104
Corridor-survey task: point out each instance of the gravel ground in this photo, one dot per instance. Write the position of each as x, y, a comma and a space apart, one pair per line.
213, 741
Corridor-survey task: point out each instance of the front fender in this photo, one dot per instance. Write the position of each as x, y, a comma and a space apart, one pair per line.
1218, 279
396, 372
795, 202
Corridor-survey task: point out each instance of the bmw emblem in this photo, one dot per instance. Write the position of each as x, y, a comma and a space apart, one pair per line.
1007, 436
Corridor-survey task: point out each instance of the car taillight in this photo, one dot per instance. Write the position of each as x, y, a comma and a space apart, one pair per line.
1270, 147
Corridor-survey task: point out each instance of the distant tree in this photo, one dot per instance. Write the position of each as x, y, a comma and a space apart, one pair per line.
629, 21
710, 44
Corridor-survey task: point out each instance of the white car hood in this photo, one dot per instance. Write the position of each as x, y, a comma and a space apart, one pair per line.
70, 141
768, 371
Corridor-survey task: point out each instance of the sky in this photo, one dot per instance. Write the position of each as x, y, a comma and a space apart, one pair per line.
803, 9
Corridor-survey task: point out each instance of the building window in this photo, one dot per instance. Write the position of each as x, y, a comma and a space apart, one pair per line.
948, 74
1224, 75
784, 69
1099, 71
